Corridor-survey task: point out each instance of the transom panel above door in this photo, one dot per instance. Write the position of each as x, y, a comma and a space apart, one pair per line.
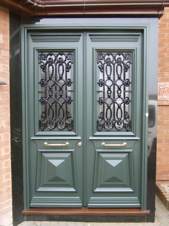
84, 116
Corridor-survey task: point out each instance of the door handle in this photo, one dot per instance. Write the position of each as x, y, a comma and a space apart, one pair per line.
114, 145
79, 144
56, 145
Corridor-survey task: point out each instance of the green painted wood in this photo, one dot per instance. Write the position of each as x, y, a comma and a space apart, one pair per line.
73, 176
55, 173
113, 174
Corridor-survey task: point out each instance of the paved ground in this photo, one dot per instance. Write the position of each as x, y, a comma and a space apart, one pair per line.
163, 191
162, 219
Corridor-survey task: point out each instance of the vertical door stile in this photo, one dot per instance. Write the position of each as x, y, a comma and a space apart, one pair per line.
84, 102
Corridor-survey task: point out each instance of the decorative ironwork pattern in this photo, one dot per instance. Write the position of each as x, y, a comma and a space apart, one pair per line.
114, 90
56, 91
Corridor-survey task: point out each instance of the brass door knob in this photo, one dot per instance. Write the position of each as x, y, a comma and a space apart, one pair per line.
79, 144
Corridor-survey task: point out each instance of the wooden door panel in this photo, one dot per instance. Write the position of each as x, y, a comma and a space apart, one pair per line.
55, 119
57, 177
55, 171
114, 74
114, 128
116, 175
113, 171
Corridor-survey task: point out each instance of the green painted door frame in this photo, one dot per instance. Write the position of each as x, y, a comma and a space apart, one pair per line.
83, 168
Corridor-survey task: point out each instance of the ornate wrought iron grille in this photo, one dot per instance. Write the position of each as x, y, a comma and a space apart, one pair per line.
56, 82
114, 90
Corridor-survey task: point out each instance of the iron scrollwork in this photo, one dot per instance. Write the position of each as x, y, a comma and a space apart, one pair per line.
114, 90
56, 91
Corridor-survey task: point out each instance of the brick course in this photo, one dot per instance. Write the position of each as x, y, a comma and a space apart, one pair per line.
163, 106
5, 158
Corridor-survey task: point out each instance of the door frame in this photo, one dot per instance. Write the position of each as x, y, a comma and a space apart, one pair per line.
145, 25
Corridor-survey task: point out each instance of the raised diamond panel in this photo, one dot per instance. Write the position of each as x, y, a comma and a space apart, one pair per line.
113, 171
55, 172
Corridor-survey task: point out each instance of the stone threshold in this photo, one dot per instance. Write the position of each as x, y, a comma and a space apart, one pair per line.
162, 190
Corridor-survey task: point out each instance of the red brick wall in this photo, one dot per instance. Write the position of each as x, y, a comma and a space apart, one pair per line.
5, 162
163, 106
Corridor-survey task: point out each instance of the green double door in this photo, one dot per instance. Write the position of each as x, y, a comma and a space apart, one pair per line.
84, 98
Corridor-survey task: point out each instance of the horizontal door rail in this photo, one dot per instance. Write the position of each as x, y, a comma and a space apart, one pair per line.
114, 138
55, 138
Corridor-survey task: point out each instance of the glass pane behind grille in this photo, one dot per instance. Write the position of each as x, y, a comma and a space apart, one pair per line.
56, 86
114, 82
